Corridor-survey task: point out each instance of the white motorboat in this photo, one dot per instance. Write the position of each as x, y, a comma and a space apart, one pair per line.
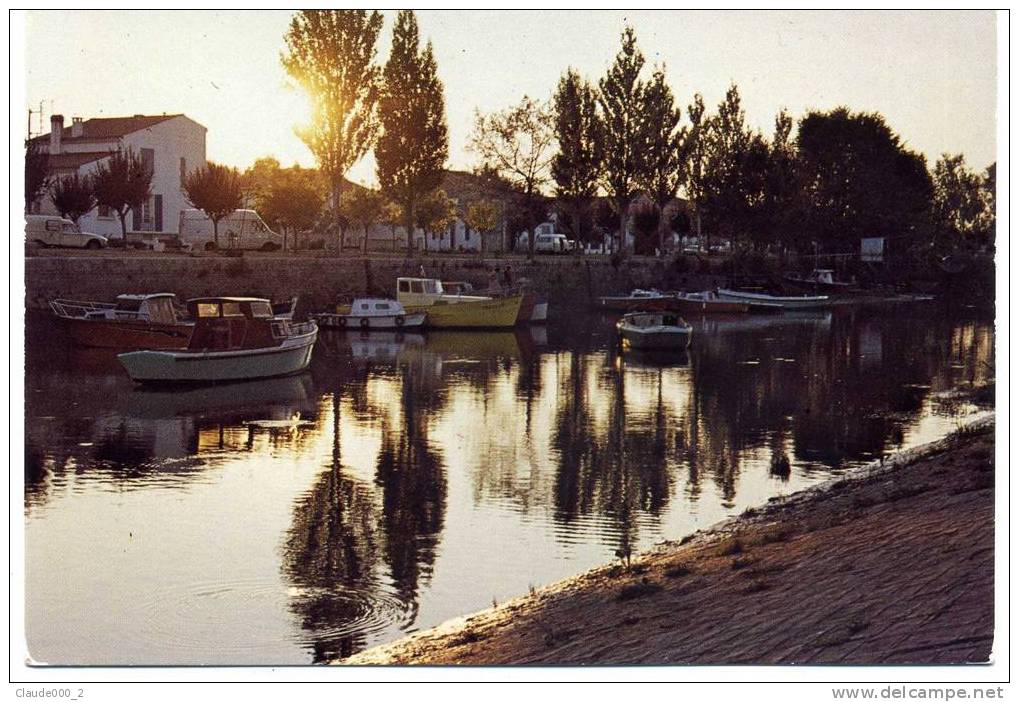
654, 330
789, 302
235, 338
370, 314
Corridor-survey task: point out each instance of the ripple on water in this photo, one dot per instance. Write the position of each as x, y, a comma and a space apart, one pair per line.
341, 612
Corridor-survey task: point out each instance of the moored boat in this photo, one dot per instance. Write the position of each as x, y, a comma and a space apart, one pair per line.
707, 302
235, 338
637, 301
789, 302
370, 314
654, 330
458, 311
148, 321
820, 279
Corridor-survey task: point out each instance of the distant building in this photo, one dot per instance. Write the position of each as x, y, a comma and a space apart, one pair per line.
172, 145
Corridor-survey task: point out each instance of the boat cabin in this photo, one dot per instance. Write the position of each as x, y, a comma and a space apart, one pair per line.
428, 291
229, 323
373, 307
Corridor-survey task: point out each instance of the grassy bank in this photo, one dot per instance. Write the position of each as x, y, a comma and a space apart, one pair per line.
888, 565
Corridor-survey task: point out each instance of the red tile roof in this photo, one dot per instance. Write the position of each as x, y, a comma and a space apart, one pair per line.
100, 128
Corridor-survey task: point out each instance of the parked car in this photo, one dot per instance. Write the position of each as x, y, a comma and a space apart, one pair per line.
51, 230
241, 229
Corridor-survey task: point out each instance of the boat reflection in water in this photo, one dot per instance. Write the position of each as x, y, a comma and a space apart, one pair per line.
438, 471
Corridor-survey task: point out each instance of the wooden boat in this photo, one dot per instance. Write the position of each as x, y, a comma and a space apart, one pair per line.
638, 300
788, 302
235, 338
370, 314
132, 322
449, 311
820, 279
707, 302
654, 330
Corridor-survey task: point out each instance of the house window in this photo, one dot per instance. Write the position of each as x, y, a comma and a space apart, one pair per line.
147, 213
105, 212
149, 160
183, 170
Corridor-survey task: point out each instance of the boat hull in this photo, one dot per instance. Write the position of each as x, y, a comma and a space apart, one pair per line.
785, 302
149, 366
124, 334
655, 338
711, 306
499, 313
639, 304
330, 320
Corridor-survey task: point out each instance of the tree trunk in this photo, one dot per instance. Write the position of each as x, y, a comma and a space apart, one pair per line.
335, 195
408, 227
622, 224
123, 224
215, 232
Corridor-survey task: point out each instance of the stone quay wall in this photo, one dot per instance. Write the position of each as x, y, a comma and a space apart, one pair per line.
321, 282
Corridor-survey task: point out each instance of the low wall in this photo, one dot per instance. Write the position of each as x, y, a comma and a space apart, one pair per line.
322, 281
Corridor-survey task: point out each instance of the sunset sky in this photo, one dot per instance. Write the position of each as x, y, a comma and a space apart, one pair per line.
932, 74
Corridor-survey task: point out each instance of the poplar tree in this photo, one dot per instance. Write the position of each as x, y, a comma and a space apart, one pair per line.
412, 150
576, 167
331, 55
664, 169
621, 96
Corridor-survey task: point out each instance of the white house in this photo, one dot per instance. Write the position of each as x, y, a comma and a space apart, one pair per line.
171, 145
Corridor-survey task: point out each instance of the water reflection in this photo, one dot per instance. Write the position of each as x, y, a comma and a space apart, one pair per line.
440, 470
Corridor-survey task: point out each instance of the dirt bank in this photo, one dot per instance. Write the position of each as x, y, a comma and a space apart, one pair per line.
890, 565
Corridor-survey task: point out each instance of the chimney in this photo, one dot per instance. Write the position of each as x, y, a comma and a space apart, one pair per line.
77, 128
56, 131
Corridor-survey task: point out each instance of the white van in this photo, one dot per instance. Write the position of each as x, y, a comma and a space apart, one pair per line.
552, 243
241, 229
52, 230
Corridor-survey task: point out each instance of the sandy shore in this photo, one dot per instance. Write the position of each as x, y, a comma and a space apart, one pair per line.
889, 565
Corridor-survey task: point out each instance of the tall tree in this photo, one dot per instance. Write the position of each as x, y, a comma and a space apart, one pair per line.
412, 150
621, 96
73, 196
780, 219
122, 182
291, 199
663, 142
958, 202
516, 145
860, 181
37, 173
331, 54
695, 160
576, 166
215, 190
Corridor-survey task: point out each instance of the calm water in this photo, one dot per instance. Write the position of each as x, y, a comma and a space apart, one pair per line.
434, 473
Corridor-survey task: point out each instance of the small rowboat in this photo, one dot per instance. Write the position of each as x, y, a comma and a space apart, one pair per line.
654, 330
820, 279
235, 338
789, 302
371, 314
638, 300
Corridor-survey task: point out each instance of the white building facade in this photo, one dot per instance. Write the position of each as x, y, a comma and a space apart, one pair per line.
171, 145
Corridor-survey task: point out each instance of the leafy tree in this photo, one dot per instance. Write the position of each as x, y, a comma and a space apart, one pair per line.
781, 186
73, 196
292, 201
860, 181
331, 54
647, 219
257, 181
621, 96
364, 208
391, 216
576, 166
483, 217
959, 204
436, 213
736, 162
515, 144
412, 150
663, 143
122, 182
216, 191
694, 157
37, 173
